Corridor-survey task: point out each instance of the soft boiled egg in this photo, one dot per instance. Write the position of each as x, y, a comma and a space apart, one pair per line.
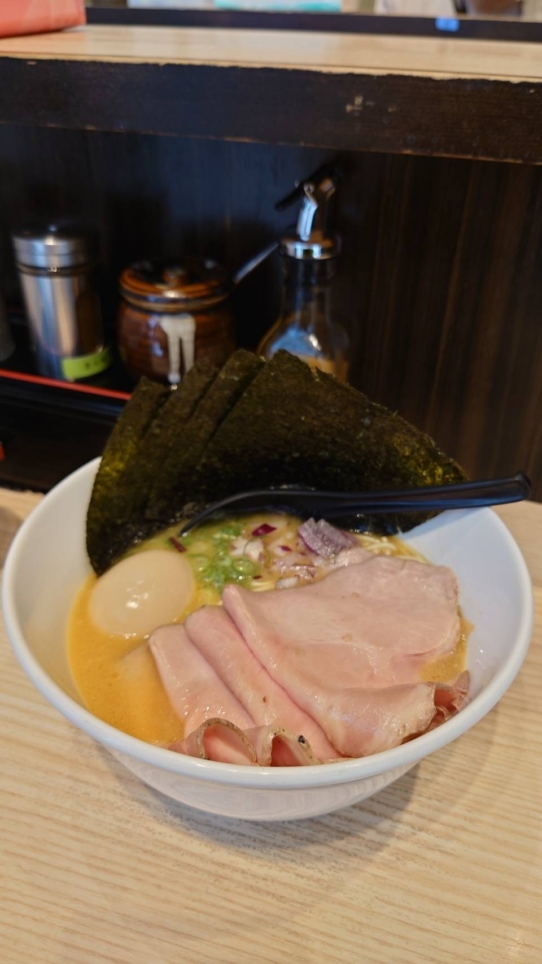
142, 592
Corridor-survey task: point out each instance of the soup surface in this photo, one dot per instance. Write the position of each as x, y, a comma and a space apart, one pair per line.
115, 673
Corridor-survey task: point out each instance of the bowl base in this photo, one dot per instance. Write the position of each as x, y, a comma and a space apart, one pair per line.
247, 803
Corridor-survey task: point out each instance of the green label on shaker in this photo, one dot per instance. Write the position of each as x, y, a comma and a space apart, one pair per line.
86, 365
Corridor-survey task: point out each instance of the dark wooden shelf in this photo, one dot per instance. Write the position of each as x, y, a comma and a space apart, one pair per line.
411, 95
48, 431
49, 428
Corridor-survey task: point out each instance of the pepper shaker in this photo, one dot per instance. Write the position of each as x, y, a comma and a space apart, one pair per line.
56, 267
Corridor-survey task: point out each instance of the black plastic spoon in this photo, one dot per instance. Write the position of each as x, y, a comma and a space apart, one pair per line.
329, 505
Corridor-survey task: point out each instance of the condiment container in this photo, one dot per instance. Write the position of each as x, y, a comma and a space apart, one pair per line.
306, 326
172, 313
56, 268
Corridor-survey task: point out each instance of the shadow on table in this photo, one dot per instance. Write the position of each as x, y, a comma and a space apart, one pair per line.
9, 524
416, 803
280, 837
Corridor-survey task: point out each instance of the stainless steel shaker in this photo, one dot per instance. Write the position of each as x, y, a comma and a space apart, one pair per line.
55, 266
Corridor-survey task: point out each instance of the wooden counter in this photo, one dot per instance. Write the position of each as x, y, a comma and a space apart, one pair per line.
412, 95
286, 49
443, 867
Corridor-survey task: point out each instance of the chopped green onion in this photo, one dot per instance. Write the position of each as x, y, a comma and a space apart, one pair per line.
244, 567
232, 529
215, 577
227, 533
223, 560
200, 563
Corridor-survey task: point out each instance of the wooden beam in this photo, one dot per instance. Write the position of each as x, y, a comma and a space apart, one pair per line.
386, 94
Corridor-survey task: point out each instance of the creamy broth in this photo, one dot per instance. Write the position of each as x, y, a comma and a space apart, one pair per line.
115, 675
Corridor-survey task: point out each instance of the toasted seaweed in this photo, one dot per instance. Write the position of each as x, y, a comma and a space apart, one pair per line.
123, 447
175, 483
128, 525
295, 425
164, 435
252, 425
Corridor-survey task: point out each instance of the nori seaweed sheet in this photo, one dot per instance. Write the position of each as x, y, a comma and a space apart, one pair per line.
163, 432
123, 447
296, 425
175, 482
251, 425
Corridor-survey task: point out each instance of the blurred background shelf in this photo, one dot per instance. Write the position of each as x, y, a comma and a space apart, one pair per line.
50, 428
47, 431
440, 282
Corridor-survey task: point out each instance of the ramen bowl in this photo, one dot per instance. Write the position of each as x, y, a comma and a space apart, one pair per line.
47, 564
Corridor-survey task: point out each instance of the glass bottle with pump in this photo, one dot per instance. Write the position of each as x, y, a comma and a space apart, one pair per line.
305, 326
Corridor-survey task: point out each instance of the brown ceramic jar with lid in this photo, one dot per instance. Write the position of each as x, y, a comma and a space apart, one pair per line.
173, 313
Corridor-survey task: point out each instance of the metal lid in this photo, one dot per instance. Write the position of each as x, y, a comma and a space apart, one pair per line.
314, 249
174, 285
52, 246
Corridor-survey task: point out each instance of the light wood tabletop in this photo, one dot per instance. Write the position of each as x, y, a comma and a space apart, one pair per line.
443, 867
288, 49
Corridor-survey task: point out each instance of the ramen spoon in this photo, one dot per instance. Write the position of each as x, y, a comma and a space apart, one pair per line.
332, 505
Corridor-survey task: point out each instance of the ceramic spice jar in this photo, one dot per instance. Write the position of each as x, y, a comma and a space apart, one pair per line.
172, 313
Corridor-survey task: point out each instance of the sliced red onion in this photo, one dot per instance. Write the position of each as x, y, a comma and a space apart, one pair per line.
324, 539
285, 548
263, 530
176, 544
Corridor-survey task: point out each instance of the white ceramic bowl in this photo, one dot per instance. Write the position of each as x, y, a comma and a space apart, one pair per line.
47, 563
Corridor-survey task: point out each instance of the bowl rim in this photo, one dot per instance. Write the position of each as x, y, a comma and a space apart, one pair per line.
283, 778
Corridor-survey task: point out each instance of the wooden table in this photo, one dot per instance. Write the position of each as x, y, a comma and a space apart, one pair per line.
443, 867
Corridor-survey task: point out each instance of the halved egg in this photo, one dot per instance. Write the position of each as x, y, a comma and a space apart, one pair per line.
142, 592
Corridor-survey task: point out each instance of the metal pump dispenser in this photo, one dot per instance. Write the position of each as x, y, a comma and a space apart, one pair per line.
309, 255
313, 239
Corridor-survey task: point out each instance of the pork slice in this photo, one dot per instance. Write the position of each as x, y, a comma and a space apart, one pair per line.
364, 721
450, 698
220, 643
196, 692
266, 746
349, 649
218, 740
275, 747
373, 624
